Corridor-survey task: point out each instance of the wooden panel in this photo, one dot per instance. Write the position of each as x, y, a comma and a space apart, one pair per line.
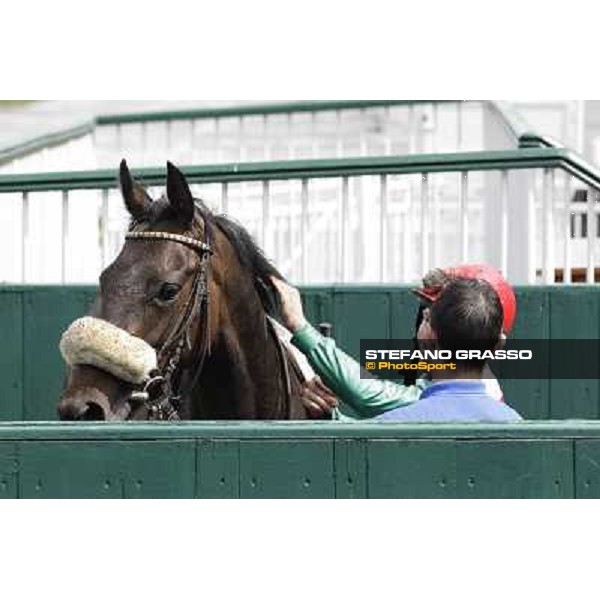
470, 469
575, 314
32, 320
587, 468
107, 469
318, 305
411, 469
11, 356
159, 469
47, 313
218, 469
286, 469
404, 308
350, 468
9, 467
515, 469
70, 470
530, 397
360, 315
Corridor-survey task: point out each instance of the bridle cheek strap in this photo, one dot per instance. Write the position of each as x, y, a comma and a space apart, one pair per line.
159, 394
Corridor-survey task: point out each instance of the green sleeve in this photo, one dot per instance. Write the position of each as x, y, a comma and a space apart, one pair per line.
360, 397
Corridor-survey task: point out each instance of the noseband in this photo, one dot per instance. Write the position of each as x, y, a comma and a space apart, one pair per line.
161, 393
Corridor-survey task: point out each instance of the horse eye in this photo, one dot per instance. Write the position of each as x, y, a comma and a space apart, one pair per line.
168, 291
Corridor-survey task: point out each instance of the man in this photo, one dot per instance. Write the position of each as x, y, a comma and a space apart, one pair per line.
368, 398
467, 315
435, 281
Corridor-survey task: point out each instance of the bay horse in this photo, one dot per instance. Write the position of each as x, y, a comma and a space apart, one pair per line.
195, 287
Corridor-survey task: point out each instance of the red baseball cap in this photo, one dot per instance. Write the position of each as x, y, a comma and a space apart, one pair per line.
436, 280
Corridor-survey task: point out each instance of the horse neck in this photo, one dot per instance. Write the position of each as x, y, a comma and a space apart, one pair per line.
243, 376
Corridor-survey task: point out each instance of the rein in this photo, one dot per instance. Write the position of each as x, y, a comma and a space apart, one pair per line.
161, 394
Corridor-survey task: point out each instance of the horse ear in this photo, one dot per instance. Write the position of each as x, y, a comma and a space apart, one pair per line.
179, 195
135, 196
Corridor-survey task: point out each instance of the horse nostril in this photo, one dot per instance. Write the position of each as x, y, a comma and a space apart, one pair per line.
93, 412
77, 410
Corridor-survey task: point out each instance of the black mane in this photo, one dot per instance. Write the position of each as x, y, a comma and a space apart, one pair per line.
251, 256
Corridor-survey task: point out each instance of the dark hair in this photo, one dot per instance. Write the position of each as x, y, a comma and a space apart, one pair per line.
467, 316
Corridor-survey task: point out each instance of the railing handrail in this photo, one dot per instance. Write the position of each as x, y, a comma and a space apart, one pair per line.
48, 430
49, 140
35, 144
519, 128
514, 124
526, 158
260, 109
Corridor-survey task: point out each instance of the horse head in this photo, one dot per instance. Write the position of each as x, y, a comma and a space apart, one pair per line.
153, 302
151, 292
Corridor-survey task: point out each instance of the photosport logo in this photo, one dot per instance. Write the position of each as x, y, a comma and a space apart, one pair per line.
510, 359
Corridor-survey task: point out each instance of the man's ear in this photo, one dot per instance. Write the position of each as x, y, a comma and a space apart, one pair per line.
179, 195
501, 342
135, 196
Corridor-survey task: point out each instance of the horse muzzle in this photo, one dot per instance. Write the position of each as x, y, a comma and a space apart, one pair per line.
86, 405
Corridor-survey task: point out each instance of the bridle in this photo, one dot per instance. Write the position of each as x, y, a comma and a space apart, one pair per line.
161, 393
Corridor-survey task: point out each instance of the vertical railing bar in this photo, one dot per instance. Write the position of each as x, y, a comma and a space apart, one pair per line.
289, 245
383, 231
548, 226
218, 153
591, 234
104, 228
267, 146
290, 137
459, 126
567, 230
224, 197
464, 216
65, 234
435, 230
504, 183
242, 147
339, 145
345, 229
362, 133
192, 130
387, 112
424, 222
168, 124
411, 128
144, 143
266, 217
119, 136
434, 134
314, 148
304, 231
408, 227
24, 234
532, 230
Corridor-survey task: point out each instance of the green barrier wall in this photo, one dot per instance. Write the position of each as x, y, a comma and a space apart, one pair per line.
311, 460
32, 319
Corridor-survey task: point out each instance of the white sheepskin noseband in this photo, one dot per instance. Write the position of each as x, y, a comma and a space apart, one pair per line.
91, 341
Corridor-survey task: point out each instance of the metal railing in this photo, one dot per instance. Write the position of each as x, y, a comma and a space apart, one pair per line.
384, 220
299, 130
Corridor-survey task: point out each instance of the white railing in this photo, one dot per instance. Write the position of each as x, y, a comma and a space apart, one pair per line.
372, 220
280, 132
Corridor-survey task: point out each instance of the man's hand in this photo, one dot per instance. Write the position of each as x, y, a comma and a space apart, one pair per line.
291, 305
317, 398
